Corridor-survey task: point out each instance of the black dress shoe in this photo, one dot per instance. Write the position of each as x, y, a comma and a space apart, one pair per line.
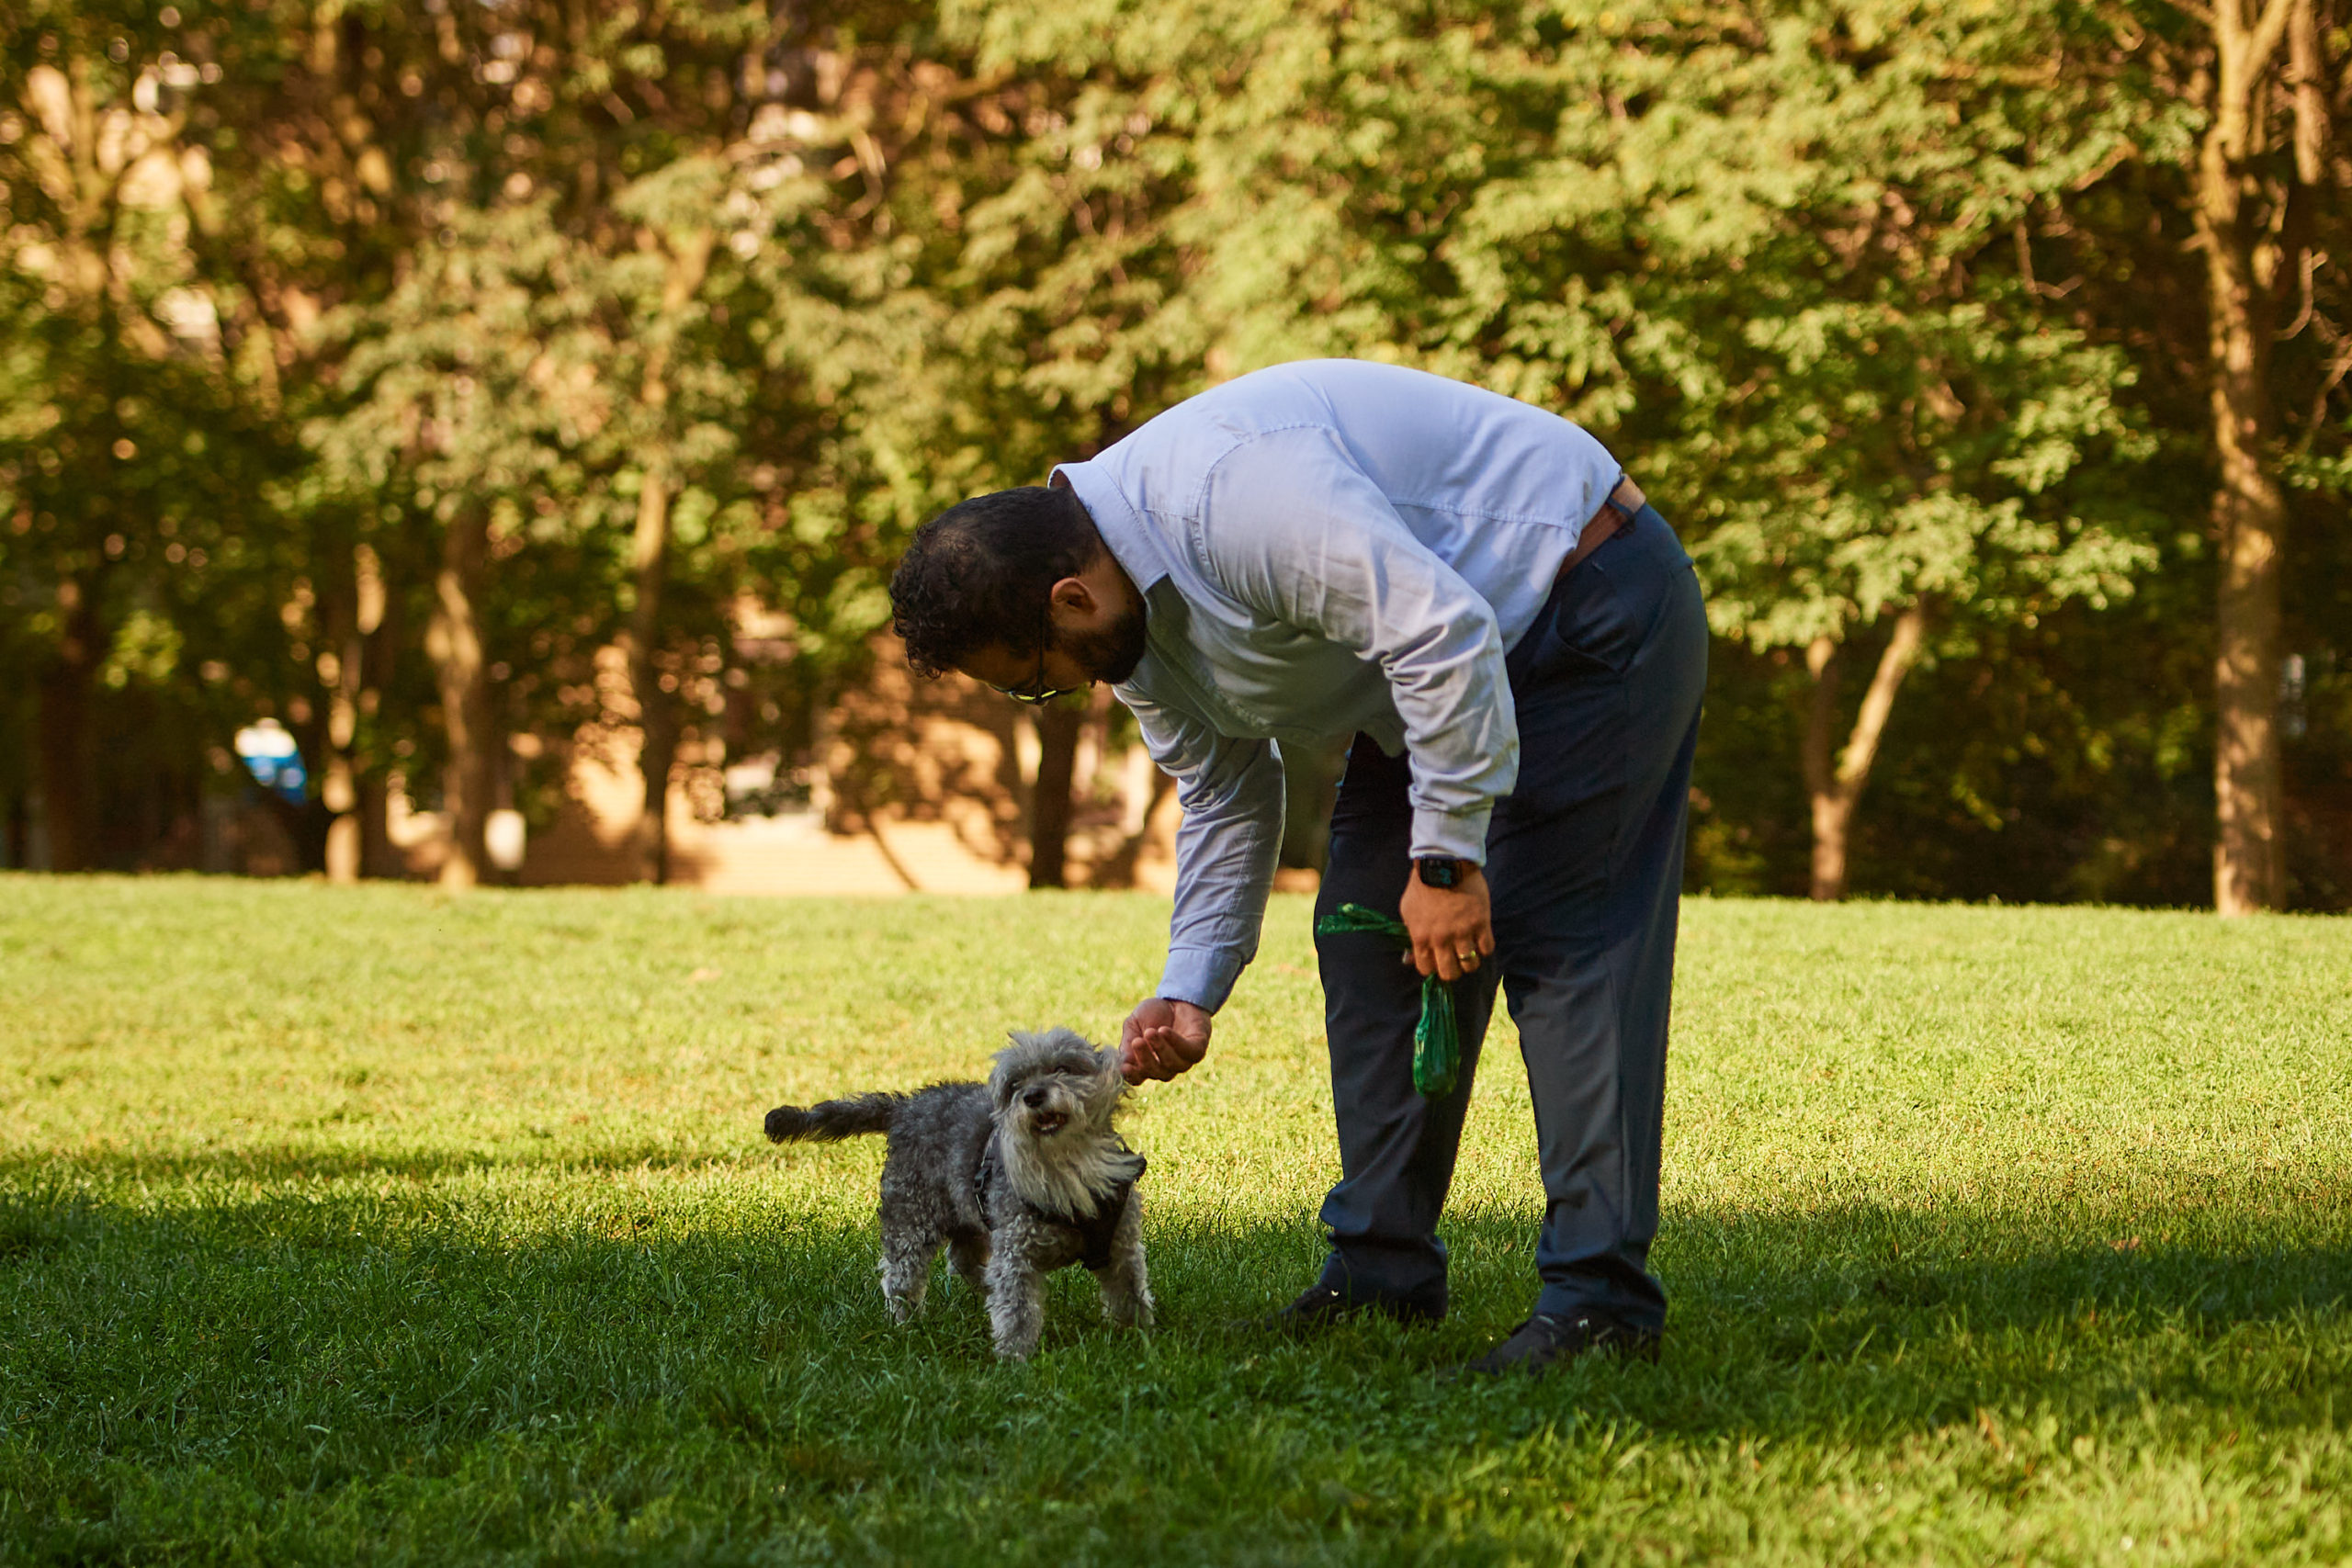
1321, 1307
1543, 1341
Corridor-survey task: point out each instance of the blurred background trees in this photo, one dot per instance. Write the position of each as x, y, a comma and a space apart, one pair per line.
466, 384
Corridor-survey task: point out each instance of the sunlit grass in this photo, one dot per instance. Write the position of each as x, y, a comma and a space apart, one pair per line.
371, 1225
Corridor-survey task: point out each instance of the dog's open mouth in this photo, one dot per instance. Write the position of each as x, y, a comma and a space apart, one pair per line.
1046, 1123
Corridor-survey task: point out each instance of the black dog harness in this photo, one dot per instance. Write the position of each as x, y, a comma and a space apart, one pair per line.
1095, 1231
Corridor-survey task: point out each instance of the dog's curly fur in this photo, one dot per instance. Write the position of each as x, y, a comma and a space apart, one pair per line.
1015, 1178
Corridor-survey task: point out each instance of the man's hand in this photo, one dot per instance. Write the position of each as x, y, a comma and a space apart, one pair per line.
1452, 927
1161, 1039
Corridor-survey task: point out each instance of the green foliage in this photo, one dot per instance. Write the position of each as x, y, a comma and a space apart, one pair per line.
1887, 304
374, 1226
136, 551
1767, 255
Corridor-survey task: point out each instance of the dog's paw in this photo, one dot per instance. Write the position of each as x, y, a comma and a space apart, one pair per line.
1018, 1344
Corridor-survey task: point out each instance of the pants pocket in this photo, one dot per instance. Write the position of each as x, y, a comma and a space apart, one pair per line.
1597, 621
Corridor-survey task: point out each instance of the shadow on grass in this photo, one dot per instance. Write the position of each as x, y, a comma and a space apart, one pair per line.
326, 1351
287, 1162
1952, 1296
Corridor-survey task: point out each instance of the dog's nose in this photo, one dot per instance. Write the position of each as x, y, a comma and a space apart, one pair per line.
1034, 1099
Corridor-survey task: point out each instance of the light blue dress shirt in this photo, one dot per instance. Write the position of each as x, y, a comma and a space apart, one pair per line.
1323, 547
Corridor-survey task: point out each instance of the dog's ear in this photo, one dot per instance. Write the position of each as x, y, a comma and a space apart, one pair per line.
1012, 1066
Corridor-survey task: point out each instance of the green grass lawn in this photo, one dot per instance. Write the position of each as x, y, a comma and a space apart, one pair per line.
366, 1224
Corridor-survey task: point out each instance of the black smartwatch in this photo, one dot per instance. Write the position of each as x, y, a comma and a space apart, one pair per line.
1439, 871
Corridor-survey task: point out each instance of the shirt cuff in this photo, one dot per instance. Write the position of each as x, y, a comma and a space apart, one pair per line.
1201, 976
1460, 835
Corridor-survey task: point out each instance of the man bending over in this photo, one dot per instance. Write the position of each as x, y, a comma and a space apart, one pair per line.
1473, 589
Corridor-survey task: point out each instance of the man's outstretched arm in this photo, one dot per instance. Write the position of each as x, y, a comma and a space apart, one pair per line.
1232, 793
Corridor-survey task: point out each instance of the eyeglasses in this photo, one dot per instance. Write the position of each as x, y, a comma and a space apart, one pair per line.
1034, 691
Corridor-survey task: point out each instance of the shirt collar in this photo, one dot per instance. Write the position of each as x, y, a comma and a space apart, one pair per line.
1122, 527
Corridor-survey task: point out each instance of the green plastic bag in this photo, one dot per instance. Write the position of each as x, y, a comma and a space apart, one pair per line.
1437, 1044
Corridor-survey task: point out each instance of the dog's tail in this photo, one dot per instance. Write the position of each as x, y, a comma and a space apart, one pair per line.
833, 1120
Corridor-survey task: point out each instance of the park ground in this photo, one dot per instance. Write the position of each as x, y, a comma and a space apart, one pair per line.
372, 1226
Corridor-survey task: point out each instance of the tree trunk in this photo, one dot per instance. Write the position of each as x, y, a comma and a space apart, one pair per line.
1835, 788
2242, 260
347, 621
64, 723
379, 611
378, 856
2249, 867
352, 632
66, 765
657, 711
455, 642
1118, 868
1049, 798
889, 856
1818, 763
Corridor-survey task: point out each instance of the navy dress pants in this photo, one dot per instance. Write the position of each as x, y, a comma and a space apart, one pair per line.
1584, 865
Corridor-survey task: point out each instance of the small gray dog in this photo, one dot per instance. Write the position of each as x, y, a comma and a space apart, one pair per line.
1015, 1177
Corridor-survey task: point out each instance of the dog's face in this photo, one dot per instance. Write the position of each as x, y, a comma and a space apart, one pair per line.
1049, 1085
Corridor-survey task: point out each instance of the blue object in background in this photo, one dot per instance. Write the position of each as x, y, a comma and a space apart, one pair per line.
274, 760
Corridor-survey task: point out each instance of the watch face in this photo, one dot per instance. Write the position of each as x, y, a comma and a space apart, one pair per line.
1437, 872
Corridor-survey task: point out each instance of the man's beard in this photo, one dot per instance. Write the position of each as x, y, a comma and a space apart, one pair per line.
1111, 654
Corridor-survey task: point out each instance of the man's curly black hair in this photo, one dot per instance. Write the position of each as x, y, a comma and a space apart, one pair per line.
979, 574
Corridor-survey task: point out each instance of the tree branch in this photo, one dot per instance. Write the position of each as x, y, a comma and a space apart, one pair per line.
2307, 72
2270, 31
1813, 758
2338, 366
1869, 725
2313, 262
